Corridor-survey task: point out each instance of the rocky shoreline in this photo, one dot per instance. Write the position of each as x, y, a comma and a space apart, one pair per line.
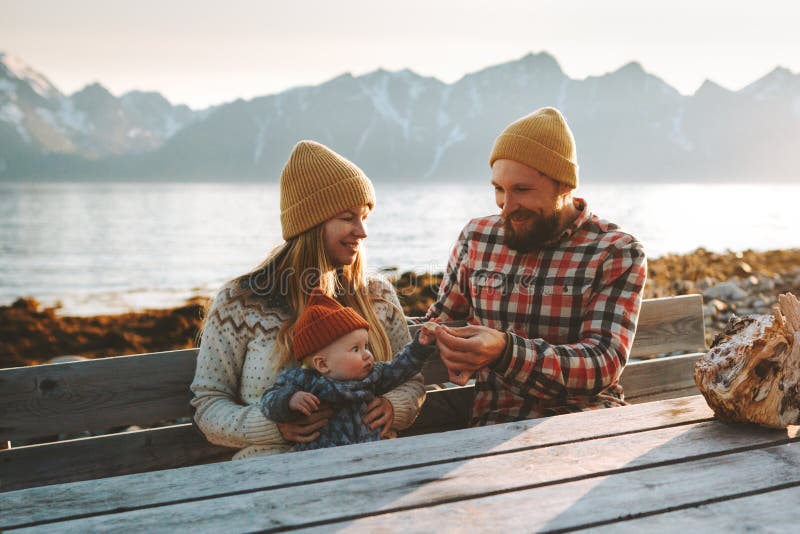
738, 283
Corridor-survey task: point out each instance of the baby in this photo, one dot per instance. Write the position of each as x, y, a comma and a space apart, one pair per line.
337, 367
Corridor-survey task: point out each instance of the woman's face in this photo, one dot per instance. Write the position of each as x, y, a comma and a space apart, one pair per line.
342, 235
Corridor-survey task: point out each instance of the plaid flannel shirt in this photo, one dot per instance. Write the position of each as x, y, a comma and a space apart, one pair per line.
569, 310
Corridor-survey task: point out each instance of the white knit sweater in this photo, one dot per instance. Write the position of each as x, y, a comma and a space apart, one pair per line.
236, 364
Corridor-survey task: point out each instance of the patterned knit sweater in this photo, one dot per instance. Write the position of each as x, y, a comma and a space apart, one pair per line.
236, 364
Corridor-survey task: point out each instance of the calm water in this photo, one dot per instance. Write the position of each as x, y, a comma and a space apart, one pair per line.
104, 248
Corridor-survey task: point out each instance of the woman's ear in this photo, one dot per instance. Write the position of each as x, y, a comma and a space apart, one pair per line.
320, 363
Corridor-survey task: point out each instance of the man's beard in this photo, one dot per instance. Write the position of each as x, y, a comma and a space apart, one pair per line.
538, 230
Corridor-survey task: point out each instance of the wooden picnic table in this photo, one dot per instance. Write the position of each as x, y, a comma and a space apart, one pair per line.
665, 465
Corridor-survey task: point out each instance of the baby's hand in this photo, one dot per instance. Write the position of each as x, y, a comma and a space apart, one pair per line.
304, 402
427, 334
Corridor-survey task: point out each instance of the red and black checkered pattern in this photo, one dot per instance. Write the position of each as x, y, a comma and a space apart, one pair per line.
570, 308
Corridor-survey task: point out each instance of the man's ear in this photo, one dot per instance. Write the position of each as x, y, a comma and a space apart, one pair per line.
320, 363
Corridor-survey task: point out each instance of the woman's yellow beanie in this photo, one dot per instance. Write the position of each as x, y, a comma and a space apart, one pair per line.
541, 140
316, 184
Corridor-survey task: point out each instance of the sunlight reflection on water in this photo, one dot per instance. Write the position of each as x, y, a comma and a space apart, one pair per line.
151, 244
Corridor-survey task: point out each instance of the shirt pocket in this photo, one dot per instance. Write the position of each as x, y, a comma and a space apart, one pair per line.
560, 305
487, 290
574, 292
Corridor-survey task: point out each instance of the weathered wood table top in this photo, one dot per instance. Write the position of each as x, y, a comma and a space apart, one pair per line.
665, 465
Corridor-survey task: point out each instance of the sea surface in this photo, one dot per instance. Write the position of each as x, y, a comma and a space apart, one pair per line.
104, 248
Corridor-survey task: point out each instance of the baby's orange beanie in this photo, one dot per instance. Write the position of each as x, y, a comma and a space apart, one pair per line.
322, 322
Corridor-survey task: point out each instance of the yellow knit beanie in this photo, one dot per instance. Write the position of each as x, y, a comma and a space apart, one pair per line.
541, 140
316, 184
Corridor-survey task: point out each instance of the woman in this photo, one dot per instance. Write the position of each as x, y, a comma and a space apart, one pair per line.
246, 341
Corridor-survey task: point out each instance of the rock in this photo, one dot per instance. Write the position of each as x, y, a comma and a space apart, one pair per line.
727, 291
718, 306
752, 371
766, 284
705, 283
743, 269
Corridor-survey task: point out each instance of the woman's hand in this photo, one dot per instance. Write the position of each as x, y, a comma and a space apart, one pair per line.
306, 429
380, 413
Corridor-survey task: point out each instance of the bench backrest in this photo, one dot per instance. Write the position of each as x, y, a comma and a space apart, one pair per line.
146, 389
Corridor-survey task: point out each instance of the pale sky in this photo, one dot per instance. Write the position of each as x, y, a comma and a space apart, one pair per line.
203, 52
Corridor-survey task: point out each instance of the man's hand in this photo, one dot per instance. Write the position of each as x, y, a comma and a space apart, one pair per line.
303, 402
466, 349
380, 413
306, 428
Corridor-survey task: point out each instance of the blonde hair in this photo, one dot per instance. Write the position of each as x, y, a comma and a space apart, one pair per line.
294, 269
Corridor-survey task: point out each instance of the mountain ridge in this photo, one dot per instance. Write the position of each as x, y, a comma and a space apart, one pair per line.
630, 125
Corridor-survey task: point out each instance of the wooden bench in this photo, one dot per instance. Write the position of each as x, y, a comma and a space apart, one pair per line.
147, 389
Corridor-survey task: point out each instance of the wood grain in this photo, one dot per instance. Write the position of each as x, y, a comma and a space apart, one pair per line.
43, 504
590, 477
95, 395
610, 498
655, 377
643, 381
99, 394
107, 456
670, 324
773, 511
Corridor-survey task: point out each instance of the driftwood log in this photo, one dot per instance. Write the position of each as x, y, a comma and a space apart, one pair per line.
752, 371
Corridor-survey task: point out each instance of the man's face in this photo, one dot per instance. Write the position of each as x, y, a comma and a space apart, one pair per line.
347, 358
530, 204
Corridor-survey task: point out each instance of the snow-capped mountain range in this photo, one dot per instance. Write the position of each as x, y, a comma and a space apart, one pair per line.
629, 125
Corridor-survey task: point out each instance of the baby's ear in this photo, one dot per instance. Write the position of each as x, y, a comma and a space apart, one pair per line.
320, 363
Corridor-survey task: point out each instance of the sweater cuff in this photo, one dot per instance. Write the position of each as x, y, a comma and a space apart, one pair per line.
261, 431
500, 365
406, 402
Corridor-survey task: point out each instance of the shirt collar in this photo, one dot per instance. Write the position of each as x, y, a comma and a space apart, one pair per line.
583, 215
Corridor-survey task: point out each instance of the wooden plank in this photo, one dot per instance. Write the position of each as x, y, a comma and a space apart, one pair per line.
639, 378
646, 381
665, 325
99, 394
585, 503
106, 456
664, 395
662, 375
47, 504
447, 409
45, 400
670, 324
773, 511
418, 490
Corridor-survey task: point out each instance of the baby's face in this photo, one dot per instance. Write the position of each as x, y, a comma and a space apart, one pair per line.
348, 358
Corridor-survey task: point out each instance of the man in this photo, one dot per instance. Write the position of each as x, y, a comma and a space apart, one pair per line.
551, 293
